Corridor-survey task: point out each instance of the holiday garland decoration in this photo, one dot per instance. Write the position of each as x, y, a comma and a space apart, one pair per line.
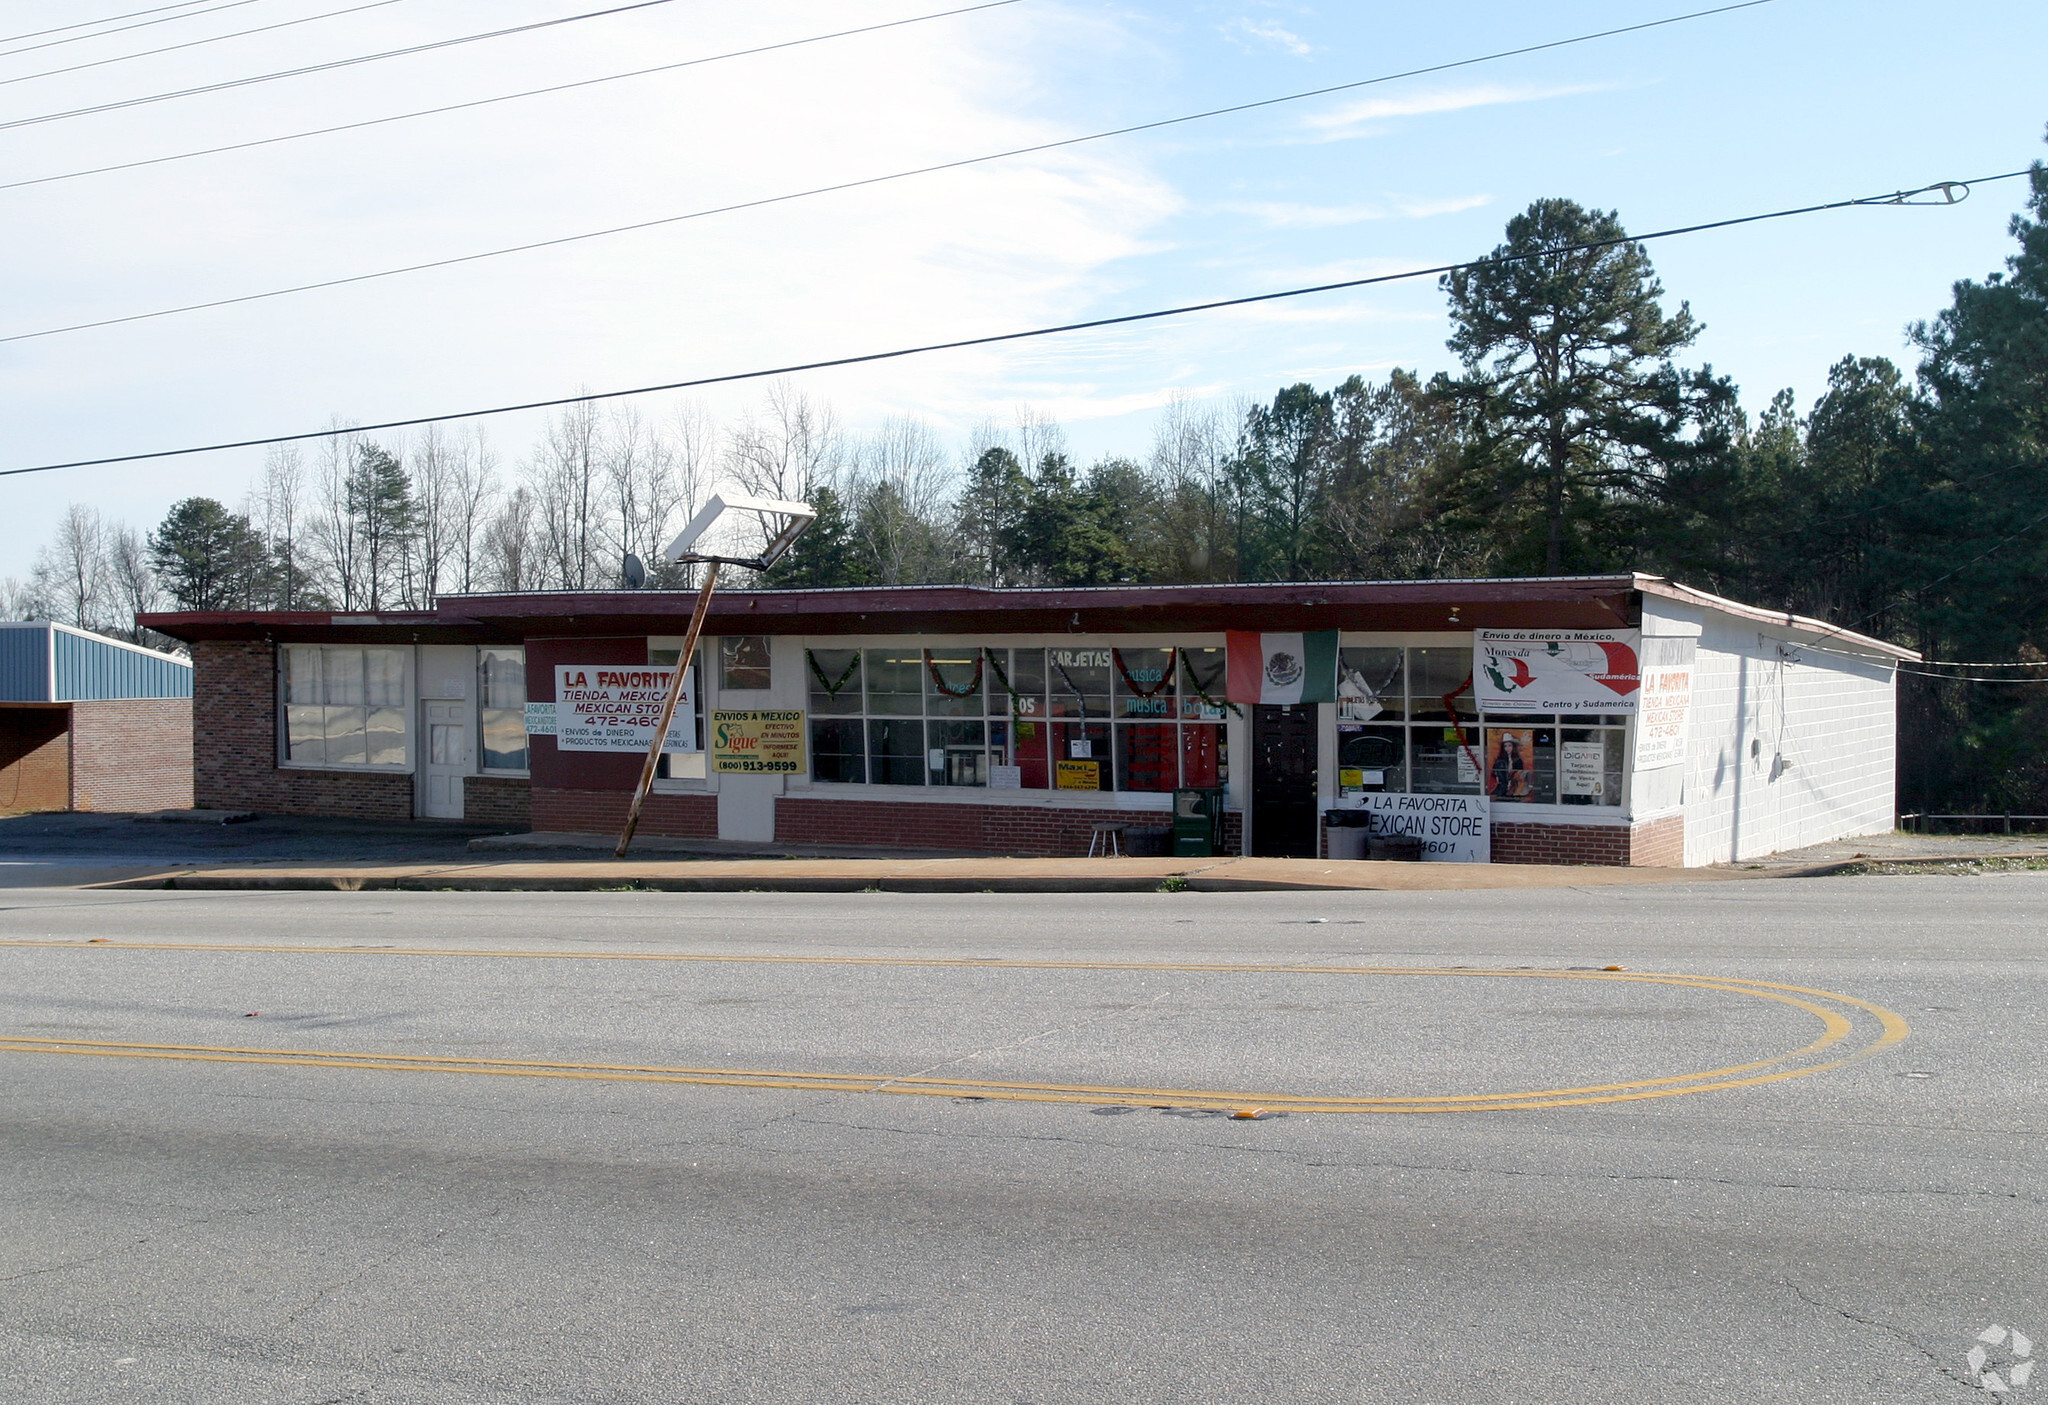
932, 667
1201, 692
1116, 656
1016, 698
831, 689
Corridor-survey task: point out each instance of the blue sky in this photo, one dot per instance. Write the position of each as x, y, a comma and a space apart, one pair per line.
1783, 104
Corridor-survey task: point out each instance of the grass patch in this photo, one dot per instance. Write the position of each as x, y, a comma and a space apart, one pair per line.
1173, 883
1961, 868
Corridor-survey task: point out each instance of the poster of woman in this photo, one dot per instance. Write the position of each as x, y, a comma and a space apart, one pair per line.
1508, 770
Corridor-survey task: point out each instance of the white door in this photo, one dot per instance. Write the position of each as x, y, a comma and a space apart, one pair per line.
444, 760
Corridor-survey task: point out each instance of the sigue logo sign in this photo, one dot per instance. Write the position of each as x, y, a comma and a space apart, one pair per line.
2002, 1360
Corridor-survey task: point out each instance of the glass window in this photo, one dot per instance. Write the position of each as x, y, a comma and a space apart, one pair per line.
834, 681
346, 706
1079, 683
1434, 672
895, 683
836, 750
1143, 683
1370, 685
1590, 763
501, 706
1016, 685
683, 765
1147, 756
896, 754
959, 752
953, 682
1202, 684
1443, 760
1080, 754
743, 661
1204, 755
1521, 765
1030, 745
1372, 758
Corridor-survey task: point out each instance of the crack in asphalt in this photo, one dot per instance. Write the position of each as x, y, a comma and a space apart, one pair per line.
1948, 1373
69, 1264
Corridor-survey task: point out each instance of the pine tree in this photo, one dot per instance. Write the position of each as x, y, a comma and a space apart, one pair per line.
208, 558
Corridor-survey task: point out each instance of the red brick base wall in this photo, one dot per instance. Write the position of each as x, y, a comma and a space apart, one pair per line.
132, 754
35, 759
1023, 830
497, 800
1657, 844
604, 812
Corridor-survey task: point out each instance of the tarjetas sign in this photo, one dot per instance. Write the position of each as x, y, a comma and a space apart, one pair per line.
1556, 670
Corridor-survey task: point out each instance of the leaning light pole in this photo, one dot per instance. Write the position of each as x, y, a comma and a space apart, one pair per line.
786, 521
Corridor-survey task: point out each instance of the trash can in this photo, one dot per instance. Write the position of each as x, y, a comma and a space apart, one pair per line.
1198, 822
1346, 831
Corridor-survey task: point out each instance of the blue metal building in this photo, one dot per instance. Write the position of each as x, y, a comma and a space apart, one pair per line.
91, 723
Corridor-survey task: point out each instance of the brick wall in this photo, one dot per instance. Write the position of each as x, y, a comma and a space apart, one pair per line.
497, 800
604, 812
1656, 844
234, 753
35, 759
131, 754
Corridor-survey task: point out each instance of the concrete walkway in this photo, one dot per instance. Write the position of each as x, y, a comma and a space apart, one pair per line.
921, 875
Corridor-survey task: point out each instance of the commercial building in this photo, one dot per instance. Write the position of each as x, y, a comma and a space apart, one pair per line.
1615, 719
91, 723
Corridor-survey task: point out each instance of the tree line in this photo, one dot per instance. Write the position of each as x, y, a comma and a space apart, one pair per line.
1569, 437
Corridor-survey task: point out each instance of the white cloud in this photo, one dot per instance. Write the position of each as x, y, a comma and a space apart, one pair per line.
1269, 33
1353, 118
1286, 215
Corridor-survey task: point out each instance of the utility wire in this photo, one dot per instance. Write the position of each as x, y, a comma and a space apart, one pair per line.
196, 43
329, 66
844, 185
503, 97
1127, 319
108, 19
190, 14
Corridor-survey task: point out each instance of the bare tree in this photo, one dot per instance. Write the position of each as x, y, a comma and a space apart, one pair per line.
280, 511
19, 600
901, 486
471, 492
565, 476
792, 446
130, 580
71, 575
434, 468
335, 530
1189, 464
507, 560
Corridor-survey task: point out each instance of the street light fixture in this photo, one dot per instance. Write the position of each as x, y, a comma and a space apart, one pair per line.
783, 522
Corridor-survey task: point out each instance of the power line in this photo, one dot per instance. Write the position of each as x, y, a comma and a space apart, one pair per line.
109, 19
851, 184
77, 38
196, 43
997, 338
327, 67
503, 97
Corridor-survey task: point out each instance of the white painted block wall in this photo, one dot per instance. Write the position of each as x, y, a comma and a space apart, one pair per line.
1790, 746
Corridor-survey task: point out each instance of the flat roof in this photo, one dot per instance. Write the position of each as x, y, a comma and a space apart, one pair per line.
1509, 602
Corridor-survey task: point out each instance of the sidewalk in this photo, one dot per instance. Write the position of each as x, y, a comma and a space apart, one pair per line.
922, 875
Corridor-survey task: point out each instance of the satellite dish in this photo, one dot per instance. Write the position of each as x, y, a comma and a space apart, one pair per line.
635, 572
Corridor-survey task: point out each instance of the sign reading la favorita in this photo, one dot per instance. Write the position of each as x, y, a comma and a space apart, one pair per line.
616, 707
1556, 670
1281, 668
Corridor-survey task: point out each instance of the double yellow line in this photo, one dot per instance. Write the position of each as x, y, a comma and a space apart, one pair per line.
1839, 1017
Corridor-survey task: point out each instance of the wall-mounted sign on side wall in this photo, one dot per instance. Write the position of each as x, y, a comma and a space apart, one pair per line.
1556, 670
1661, 728
758, 743
616, 707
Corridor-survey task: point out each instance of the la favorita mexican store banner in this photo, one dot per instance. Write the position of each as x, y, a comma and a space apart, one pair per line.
616, 707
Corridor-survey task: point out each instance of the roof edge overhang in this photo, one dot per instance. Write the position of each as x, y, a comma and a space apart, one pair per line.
1820, 630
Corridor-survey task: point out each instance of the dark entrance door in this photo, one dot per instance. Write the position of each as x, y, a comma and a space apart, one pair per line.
1284, 781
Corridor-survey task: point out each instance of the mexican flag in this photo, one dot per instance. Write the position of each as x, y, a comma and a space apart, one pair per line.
1282, 668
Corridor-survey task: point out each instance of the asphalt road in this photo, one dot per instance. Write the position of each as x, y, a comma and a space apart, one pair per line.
1754, 1194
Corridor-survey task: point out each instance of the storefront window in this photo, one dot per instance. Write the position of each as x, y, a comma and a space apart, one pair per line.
1370, 685
346, 706
1521, 765
682, 765
1019, 719
501, 706
743, 662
